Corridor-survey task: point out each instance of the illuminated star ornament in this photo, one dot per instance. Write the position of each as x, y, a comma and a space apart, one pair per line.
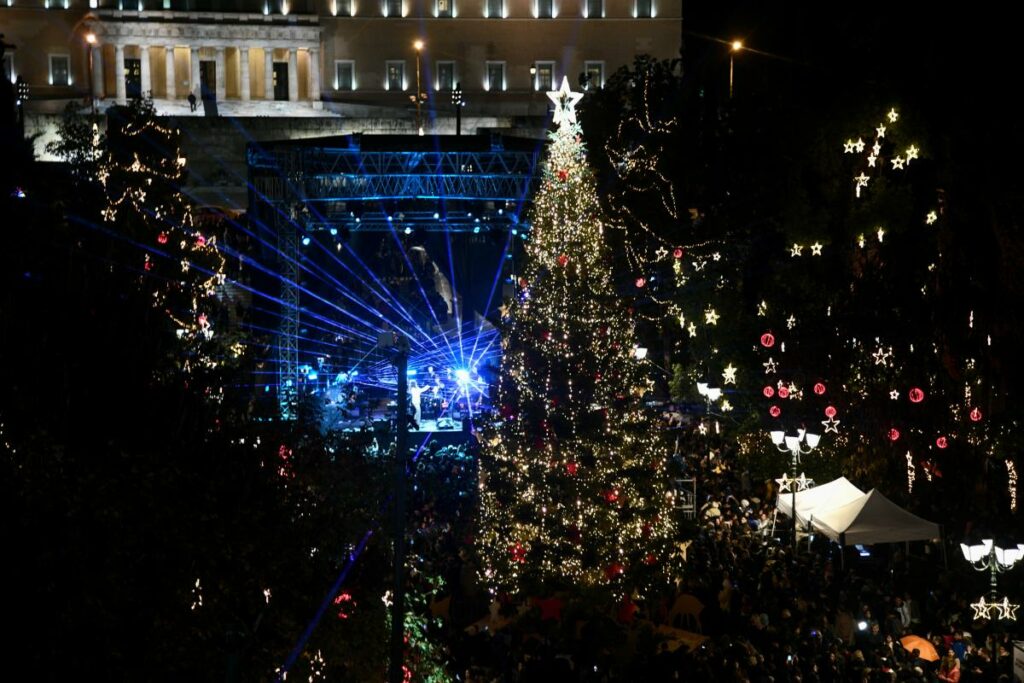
880, 131
831, 425
893, 115
897, 163
981, 608
849, 146
565, 103
692, 330
729, 375
769, 367
912, 153
894, 395
931, 218
710, 317
816, 249
784, 483
796, 250
803, 483
790, 322
1007, 610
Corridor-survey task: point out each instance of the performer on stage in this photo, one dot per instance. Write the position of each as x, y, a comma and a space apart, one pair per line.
415, 394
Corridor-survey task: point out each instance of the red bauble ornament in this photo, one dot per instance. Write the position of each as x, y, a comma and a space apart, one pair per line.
768, 340
640, 283
819, 388
941, 442
768, 391
894, 434
563, 174
518, 552
162, 238
148, 265
783, 392
200, 240
678, 252
571, 468
611, 495
830, 412
915, 395
650, 559
562, 260
775, 411
975, 415
614, 570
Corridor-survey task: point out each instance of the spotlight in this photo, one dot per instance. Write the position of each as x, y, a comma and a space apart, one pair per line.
476, 229
462, 376
305, 241
408, 230
334, 231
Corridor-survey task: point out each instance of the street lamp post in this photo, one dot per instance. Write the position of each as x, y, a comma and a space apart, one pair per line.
734, 47
988, 557
794, 445
418, 45
458, 103
90, 40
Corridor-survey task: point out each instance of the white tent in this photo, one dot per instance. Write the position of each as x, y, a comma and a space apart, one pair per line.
872, 518
818, 498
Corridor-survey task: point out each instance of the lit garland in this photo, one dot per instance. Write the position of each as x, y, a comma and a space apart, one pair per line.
1011, 483
570, 483
911, 472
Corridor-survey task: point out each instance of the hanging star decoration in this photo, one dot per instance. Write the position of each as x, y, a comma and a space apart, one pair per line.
660, 253
682, 320
790, 322
894, 395
1007, 610
876, 149
831, 425
503, 310
702, 428
897, 163
931, 218
796, 250
862, 182
729, 375
710, 317
565, 101
803, 483
849, 146
981, 608
816, 249
882, 355
880, 233
859, 145
871, 160
692, 330
785, 484
769, 367
912, 153
893, 115
699, 265
762, 309
725, 406
716, 256
880, 131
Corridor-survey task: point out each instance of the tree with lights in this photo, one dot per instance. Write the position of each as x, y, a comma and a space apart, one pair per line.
573, 483
142, 170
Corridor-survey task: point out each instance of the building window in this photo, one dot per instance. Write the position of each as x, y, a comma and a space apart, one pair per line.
495, 9
545, 9
395, 70
495, 76
544, 76
444, 8
60, 70
644, 9
594, 9
593, 73
393, 8
343, 8
445, 75
344, 75
9, 68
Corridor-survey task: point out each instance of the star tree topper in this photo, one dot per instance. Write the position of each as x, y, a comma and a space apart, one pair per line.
565, 103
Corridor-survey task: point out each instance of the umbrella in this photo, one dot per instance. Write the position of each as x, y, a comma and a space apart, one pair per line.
925, 649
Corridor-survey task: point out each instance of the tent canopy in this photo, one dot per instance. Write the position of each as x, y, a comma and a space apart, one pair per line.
872, 518
811, 502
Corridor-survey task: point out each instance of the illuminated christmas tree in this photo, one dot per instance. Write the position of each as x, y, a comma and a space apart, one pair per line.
573, 480
142, 171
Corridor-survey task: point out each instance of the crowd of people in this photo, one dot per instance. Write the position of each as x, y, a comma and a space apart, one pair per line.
769, 612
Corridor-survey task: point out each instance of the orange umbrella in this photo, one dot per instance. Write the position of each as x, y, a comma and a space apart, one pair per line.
923, 647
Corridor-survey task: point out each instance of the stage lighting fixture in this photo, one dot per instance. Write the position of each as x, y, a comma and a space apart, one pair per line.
334, 231
476, 229
462, 376
305, 241
408, 230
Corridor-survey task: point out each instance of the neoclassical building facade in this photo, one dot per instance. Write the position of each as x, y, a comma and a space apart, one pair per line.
325, 57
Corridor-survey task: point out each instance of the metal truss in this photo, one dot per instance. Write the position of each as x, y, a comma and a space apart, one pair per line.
288, 332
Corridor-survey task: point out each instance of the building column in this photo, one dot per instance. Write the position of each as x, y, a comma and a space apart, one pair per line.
172, 90
314, 78
194, 83
221, 76
268, 73
120, 88
243, 68
145, 77
97, 71
293, 74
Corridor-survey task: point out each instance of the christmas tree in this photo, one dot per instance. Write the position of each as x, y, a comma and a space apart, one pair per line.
573, 479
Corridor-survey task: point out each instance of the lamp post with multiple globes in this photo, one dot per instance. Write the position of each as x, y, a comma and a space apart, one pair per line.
801, 444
